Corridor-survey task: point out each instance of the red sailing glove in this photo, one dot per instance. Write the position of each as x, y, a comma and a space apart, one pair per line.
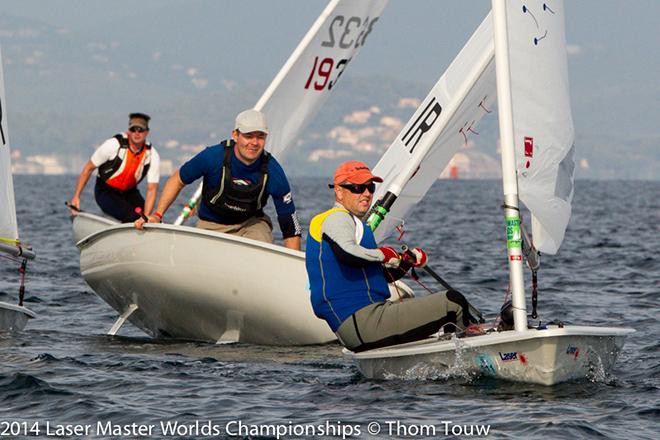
415, 257
391, 259
420, 257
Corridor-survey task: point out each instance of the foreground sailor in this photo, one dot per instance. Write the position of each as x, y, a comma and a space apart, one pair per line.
239, 175
349, 275
122, 162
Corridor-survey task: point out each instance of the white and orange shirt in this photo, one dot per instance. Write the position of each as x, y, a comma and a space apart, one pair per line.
130, 171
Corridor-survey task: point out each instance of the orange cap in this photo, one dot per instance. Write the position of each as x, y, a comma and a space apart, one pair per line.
355, 172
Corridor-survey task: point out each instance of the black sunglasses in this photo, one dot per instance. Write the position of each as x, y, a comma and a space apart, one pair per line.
137, 130
359, 188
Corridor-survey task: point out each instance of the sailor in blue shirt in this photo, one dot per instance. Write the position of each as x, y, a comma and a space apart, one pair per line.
238, 176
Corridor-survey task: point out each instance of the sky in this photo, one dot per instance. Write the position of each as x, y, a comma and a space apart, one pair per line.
614, 46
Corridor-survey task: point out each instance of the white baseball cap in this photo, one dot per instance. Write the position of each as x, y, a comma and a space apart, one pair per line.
251, 120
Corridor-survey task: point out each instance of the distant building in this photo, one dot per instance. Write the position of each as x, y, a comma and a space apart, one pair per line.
39, 164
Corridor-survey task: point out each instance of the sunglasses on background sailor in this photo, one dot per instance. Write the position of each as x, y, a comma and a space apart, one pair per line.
356, 188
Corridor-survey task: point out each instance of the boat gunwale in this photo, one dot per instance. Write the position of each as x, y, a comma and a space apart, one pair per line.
17, 308
433, 345
97, 217
190, 231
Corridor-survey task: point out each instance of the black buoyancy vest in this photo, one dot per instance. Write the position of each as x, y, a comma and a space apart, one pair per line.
107, 169
237, 203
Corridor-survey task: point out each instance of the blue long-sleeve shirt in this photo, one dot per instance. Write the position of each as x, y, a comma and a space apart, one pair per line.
208, 164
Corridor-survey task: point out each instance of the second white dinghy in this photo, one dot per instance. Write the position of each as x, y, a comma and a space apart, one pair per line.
189, 283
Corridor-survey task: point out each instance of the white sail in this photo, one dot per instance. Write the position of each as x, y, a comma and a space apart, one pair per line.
444, 122
307, 78
310, 74
8, 226
542, 120
12, 316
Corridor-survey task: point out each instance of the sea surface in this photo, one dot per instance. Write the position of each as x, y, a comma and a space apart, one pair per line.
63, 374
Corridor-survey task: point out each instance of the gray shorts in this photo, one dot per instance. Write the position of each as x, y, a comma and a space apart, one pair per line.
256, 228
389, 323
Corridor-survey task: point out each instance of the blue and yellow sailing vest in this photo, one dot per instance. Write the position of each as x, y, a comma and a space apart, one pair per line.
339, 290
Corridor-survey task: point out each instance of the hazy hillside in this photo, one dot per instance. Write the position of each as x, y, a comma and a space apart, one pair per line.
67, 91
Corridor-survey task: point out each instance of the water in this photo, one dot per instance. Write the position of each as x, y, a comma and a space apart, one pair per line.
63, 369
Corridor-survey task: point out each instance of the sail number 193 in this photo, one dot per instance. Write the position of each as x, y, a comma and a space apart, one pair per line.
323, 70
343, 33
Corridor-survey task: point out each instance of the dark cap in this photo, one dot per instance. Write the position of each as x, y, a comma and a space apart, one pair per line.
139, 120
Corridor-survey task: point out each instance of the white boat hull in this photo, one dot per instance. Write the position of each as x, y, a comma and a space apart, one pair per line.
85, 224
14, 317
545, 357
194, 284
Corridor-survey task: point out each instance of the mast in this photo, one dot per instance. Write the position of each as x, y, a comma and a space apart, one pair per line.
509, 178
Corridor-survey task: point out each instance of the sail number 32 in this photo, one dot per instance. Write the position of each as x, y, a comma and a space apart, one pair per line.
341, 32
344, 34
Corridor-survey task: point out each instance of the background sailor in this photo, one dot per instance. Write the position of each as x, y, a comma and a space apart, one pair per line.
122, 162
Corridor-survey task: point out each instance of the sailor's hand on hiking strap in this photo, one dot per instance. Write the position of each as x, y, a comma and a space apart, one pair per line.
391, 258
